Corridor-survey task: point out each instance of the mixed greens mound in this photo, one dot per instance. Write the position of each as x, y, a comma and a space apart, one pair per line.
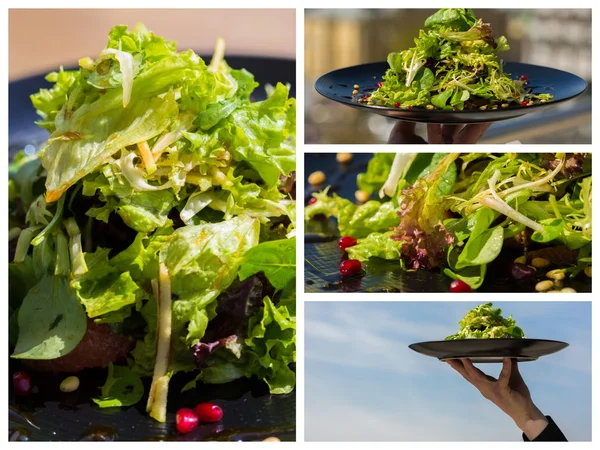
454, 65
486, 322
163, 205
455, 212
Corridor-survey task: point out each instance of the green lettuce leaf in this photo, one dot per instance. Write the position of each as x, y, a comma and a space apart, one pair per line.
271, 347
203, 261
378, 169
51, 320
276, 259
123, 387
376, 245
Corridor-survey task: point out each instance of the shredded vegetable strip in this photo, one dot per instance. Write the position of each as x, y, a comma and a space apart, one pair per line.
147, 157
126, 62
535, 183
401, 163
77, 258
496, 203
218, 55
157, 400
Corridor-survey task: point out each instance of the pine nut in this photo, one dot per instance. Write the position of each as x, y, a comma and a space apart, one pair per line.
556, 274
272, 439
588, 271
568, 290
543, 286
69, 384
540, 262
356, 86
344, 158
316, 178
362, 196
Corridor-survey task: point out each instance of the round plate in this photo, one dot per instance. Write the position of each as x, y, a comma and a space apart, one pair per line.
338, 86
489, 350
250, 413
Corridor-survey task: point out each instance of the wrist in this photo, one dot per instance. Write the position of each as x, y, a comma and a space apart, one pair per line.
532, 423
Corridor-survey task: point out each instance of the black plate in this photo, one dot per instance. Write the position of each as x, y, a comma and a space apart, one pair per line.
322, 255
250, 413
489, 350
338, 86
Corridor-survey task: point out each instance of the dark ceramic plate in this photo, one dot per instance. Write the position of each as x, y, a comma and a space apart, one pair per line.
322, 255
489, 350
250, 413
338, 86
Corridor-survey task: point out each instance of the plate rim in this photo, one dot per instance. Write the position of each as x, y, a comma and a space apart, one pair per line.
489, 340
379, 109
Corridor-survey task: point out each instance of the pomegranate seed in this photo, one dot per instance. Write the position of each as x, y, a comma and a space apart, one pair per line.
367, 96
186, 420
350, 267
397, 105
209, 412
454, 109
523, 77
345, 242
22, 383
460, 286
409, 107
524, 103
379, 84
312, 201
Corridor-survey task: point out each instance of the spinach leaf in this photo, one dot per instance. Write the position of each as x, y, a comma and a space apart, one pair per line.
426, 79
553, 228
441, 99
51, 320
473, 276
123, 387
460, 19
482, 248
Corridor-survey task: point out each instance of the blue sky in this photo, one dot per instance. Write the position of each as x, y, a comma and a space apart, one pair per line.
363, 383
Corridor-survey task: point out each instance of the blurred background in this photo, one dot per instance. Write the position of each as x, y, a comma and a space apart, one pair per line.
42, 39
336, 38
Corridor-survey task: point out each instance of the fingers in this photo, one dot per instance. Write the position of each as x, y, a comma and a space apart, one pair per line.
457, 365
434, 133
471, 134
404, 133
477, 377
504, 378
450, 133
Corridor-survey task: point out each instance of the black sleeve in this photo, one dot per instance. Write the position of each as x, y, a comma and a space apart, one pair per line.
550, 434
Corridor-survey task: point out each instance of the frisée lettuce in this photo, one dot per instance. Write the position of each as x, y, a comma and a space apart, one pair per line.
486, 322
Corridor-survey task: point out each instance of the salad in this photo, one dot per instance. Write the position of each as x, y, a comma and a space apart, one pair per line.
456, 212
154, 232
486, 322
453, 66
